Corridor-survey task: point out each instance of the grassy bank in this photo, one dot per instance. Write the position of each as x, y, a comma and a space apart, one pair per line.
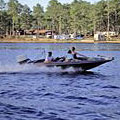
44, 40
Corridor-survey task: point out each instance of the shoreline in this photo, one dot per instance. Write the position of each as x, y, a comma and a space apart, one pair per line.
43, 40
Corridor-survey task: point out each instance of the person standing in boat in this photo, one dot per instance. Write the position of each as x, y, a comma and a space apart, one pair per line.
76, 54
49, 57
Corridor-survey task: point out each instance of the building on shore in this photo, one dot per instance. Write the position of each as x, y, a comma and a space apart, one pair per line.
101, 36
40, 33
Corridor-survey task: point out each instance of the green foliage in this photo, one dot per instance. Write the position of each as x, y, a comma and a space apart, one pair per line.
54, 14
14, 10
77, 17
38, 15
25, 18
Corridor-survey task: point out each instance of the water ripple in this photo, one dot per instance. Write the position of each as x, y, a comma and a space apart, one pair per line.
32, 93
27, 112
111, 87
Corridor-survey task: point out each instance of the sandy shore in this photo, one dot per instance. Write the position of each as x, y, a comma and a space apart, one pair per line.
30, 40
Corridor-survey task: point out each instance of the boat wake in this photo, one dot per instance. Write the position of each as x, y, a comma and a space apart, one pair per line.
31, 69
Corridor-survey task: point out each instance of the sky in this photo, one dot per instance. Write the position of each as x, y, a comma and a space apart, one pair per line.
44, 3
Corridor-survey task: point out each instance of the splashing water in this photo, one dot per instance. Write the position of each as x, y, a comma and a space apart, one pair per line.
15, 68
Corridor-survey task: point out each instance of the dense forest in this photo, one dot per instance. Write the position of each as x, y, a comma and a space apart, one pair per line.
77, 17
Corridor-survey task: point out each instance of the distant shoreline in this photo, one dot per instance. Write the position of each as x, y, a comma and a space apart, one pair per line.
43, 40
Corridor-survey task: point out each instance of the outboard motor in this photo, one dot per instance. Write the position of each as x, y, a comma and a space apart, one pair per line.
23, 59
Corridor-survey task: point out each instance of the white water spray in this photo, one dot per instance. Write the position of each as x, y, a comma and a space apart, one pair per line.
16, 68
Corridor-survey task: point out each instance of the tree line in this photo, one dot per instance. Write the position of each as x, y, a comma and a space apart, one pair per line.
77, 17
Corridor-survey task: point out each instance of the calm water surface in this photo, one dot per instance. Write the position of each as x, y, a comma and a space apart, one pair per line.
32, 93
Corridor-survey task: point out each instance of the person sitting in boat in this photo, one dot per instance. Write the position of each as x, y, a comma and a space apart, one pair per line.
69, 56
76, 54
49, 57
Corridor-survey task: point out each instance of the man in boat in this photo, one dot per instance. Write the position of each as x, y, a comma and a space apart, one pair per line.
76, 54
69, 56
49, 58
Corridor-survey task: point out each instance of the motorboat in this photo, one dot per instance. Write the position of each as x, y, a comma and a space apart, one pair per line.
84, 65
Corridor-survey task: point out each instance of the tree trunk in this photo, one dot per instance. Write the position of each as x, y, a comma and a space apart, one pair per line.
13, 27
60, 26
108, 25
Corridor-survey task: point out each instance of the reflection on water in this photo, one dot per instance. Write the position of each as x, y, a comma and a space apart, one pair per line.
33, 93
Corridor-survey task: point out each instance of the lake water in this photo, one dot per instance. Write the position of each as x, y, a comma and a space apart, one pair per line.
32, 93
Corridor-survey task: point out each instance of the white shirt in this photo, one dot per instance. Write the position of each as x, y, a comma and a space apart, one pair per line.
48, 59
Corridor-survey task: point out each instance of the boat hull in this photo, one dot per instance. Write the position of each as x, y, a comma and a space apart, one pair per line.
82, 65
75, 64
